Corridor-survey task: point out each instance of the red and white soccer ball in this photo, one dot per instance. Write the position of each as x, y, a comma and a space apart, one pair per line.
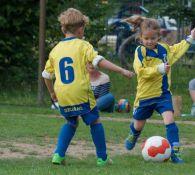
156, 149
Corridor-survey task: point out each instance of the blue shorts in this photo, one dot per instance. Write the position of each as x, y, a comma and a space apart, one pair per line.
148, 106
88, 118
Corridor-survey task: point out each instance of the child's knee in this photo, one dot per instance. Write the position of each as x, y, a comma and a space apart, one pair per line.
138, 124
168, 117
97, 121
74, 124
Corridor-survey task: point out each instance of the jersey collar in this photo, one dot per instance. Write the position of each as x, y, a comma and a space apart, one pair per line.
69, 38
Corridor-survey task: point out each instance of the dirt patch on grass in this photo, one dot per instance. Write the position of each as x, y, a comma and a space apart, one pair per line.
77, 149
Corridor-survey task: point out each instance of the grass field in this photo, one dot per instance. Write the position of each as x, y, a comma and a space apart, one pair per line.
28, 136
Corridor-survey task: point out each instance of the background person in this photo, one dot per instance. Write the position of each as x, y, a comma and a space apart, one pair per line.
192, 95
100, 83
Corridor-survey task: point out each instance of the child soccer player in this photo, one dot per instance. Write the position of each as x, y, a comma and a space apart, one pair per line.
152, 64
72, 89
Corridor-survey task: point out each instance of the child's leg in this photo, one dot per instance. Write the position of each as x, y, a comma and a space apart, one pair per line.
172, 136
135, 130
171, 127
140, 115
65, 136
98, 136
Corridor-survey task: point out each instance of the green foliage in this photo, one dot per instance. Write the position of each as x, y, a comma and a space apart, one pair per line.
177, 9
19, 23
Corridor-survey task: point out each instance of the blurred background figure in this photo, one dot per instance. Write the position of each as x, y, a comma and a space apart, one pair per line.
192, 94
100, 83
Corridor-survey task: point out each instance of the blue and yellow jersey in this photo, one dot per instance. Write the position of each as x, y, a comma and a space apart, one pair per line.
67, 61
151, 83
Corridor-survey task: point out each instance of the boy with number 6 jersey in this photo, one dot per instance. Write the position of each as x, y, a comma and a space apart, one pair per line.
72, 90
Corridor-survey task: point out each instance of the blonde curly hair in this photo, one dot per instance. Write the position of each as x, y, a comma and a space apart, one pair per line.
71, 19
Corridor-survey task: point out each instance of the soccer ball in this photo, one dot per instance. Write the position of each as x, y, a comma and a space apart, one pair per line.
156, 149
122, 106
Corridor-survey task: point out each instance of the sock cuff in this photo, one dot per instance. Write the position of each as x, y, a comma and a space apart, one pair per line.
171, 125
133, 130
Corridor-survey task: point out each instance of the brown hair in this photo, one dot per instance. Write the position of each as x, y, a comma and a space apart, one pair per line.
142, 23
71, 19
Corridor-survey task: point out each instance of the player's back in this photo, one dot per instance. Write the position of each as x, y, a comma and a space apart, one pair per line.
69, 58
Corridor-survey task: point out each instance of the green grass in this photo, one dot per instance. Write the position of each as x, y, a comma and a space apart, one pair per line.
121, 87
125, 165
33, 125
23, 121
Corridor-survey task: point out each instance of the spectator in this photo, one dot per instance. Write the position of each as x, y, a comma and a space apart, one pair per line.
192, 94
100, 83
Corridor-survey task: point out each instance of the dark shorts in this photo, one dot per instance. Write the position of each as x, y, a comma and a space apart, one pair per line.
88, 118
148, 106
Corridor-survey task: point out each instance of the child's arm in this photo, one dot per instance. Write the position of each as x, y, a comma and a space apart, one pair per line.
49, 84
178, 50
103, 63
47, 74
145, 72
100, 61
148, 72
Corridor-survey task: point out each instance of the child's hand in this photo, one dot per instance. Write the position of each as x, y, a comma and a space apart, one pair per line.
53, 96
164, 68
167, 68
193, 33
127, 73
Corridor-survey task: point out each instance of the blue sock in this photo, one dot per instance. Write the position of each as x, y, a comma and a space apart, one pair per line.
66, 134
172, 134
98, 136
134, 131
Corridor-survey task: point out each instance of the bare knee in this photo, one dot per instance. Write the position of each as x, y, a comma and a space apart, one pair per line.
168, 117
139, 124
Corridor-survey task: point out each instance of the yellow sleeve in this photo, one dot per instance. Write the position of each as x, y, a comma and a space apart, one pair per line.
177, 51
49, 67
48, 72
140, 69
90, 53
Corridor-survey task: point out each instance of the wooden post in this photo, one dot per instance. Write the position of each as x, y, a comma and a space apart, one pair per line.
177, 105
40, 98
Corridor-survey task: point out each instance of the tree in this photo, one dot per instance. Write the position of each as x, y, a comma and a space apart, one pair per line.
19, 34
181, 10
41, 51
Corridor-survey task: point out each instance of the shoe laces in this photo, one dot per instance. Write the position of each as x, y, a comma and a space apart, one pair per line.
131, 138
177, 151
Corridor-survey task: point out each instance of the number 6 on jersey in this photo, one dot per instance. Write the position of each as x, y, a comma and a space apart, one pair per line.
66, 70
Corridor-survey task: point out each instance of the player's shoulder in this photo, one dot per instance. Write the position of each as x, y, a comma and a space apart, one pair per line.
85, 43
55, 48
141, 50
164, 45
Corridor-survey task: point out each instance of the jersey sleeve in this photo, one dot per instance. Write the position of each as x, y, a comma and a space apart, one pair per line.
90, 53
140, 69
48, 72
177, 51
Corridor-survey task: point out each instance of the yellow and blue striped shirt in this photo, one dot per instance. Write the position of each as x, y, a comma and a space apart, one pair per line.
67, 61
151, 83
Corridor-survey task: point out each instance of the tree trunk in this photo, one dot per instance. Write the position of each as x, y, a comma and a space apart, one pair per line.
40, 98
